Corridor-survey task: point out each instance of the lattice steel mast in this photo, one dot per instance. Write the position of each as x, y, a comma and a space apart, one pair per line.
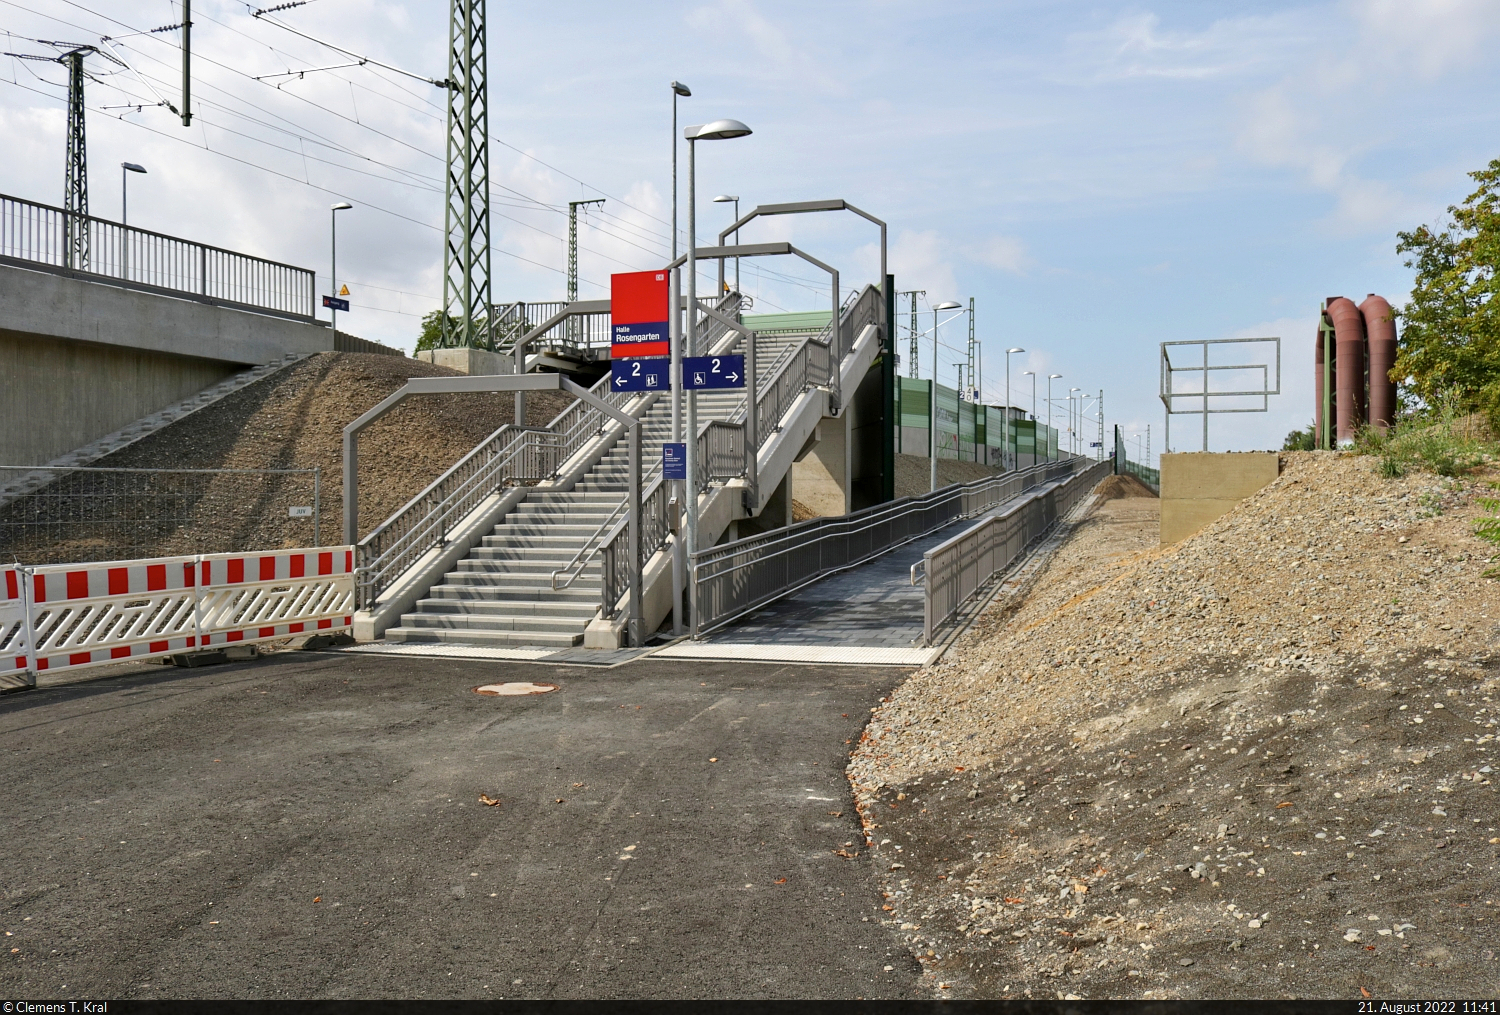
573, 207
911, 367
977, 396
76, 169
466, 215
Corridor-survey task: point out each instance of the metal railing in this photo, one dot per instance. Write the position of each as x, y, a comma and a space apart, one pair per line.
35, 235
51, 515
512, 320
730, 580
614, 553
1151, 477
510, 455
954, 571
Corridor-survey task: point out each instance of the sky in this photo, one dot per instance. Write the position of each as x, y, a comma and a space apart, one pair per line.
1098, 177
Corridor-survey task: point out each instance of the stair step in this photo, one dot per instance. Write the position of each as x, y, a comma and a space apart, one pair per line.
472, 622
513, 608
491, 639
573, 594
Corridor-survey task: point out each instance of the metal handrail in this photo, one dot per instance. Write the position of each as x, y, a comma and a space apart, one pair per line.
655, 526
734, 578
36, 235
590, 548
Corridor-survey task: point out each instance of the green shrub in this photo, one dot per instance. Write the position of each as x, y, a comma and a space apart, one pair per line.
1432, 440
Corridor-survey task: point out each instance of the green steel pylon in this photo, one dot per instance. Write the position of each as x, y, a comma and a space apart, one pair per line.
466, 214
971, 374
911, 367
573, 207
76, 171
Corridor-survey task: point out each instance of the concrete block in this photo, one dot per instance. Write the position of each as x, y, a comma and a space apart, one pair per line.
468, 361
1196, 488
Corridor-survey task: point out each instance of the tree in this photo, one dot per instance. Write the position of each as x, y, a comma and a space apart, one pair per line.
1450, 334
432, 329
1301, 440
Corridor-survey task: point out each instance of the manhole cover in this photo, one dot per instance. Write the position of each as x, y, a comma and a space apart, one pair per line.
520, 687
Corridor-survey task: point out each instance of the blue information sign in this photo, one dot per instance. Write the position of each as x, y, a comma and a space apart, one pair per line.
640, 374
334, 303
713, 372
673, 461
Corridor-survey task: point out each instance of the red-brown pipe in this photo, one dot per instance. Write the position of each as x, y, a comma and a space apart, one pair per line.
1349, 367
1380, 326
1318, 381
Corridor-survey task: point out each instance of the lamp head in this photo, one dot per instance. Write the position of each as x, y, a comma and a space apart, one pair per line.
726, 198
1025, 372
950, 305
681, 89
341, 206
719, 130
132, 167
1053, 377
1018, 349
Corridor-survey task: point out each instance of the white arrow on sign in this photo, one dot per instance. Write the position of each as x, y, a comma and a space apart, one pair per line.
620, 381
733, 377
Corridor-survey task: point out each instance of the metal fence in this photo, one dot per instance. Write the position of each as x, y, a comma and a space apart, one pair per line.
36, 236
735, 578
68, 515
954, 571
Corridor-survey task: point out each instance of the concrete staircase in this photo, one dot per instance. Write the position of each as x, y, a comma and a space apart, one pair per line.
501, 595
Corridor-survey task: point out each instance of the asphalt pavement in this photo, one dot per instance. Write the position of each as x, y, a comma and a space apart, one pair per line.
308, 825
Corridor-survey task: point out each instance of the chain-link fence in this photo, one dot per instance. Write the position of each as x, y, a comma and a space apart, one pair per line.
68, 516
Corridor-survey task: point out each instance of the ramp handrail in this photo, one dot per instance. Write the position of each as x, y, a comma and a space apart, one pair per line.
615, 548
734, 578
955, 570
49, 238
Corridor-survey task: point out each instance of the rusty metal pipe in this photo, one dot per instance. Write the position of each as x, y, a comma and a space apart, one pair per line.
1380, 329
1318, 381
1349, 367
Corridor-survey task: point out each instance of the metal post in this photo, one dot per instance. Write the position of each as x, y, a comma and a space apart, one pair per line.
187, 63
1009, 455
836, 357
351, 487
317, 503
1205, 397
518, 353
691, 437
124, 222
637, 636
752, 424
932, 410
674, 326
333, 271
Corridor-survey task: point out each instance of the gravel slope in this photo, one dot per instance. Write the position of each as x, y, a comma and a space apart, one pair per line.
1254, 764
294, 419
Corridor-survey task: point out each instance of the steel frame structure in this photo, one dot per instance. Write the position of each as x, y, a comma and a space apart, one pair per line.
466, 211
1168, 372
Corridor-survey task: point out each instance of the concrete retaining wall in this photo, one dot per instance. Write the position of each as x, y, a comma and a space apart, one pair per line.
79, 360
1196, 488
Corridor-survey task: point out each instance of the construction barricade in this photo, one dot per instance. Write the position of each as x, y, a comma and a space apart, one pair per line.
61, 617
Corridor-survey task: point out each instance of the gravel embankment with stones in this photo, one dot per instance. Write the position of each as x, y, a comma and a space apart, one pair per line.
293, 419
1254, 764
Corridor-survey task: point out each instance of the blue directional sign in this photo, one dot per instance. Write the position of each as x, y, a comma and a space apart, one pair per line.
713, 372
673, 461
334, 303
641, 374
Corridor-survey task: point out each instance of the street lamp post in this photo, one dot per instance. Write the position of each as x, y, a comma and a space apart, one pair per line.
678, 89
333, 261
724, 199
1033, 412
932, 399
1050, 379
126, 168
1008, 451
718, 130
1072, 414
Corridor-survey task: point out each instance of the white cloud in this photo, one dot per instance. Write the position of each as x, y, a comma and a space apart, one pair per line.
919, 261
1431, 37
1008, 253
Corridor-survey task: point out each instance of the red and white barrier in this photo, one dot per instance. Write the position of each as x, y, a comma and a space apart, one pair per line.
15, 632
254, 597
69, 616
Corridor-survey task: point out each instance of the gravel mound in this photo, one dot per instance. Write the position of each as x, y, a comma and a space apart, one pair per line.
1257, 763
1119, 486
294, 419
